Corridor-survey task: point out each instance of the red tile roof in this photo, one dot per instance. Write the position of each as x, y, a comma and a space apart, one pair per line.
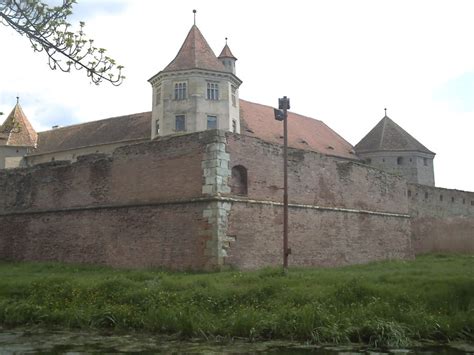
303, 132
226, 53
17, 130
111, 130
195, 53
388, 136
256, 120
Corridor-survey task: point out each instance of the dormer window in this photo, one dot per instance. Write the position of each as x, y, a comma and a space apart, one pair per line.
180, 92
212, 91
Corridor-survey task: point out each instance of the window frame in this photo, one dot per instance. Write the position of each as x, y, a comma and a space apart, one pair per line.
176, 127
215, 121
157, 127
233, 91
158, 96
212, 92
180, 90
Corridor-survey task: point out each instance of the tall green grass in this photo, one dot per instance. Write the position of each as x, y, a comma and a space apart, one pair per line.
386, 304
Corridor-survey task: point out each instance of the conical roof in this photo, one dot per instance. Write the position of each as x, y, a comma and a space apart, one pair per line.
388, 136
17, 130
195, 53
226, 53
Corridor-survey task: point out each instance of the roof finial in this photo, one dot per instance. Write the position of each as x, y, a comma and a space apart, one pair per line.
385, 109
17, 99
226, 40
194, 12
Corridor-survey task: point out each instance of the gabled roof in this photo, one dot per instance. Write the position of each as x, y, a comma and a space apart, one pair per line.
226, 53
195, 53
17, 130
303, 132
111, 130
388, 136
256, 120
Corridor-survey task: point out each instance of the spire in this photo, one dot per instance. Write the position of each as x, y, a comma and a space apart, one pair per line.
195, 53
17, 130
226, 52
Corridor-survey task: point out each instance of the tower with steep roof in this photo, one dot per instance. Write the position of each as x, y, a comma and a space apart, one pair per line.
227, 58
389, 147
195, 92
17, 138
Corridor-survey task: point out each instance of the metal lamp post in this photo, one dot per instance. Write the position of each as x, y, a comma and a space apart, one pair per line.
281, 114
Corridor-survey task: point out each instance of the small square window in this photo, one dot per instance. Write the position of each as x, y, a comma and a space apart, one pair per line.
211, 122
425, 161
180, 123
400, 160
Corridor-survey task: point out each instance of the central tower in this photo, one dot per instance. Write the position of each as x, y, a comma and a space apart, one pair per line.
196, 91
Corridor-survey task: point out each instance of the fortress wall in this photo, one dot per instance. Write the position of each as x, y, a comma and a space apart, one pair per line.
316, 238
316, 179
140, 207
443, 219
145, 236
340, 212
162, 170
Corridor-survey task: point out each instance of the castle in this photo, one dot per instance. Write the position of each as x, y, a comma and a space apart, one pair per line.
196, 183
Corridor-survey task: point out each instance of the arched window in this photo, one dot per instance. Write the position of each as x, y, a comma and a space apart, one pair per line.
238, 183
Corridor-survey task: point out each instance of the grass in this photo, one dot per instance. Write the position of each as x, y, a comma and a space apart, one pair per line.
385, 304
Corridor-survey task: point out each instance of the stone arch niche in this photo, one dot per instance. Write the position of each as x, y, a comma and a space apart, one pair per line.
238, 180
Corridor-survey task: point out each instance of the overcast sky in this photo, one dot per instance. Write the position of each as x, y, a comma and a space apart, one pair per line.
339, 61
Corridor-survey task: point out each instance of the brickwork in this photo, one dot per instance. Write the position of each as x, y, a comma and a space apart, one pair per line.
139, 207
165, 236
168, 203
315, 179
341, 212
443, 219
316, 238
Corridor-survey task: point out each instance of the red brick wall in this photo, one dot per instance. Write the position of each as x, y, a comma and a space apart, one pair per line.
316, 237
154, 236
61, 211
315, 179
148, 172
